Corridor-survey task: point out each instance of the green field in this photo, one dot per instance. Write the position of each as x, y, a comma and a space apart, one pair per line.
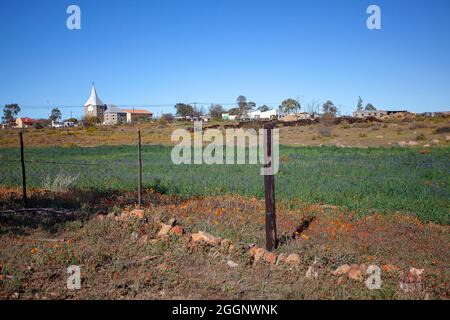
362, 180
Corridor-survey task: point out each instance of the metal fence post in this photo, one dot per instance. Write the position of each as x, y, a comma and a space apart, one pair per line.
139, 164
269, 190
24, 179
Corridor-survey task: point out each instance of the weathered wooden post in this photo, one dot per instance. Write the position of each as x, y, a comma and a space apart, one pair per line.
24, 179
139, 165
269, 189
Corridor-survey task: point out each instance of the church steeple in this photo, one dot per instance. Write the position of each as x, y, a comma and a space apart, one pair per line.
93, 100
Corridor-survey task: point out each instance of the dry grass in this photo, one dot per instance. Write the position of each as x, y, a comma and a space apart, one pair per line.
357, 134
109, 252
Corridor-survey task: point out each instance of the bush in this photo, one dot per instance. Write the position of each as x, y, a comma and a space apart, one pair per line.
90, 121
61, 182
325, 127
442, 130
168, 117
421, 137
38, 126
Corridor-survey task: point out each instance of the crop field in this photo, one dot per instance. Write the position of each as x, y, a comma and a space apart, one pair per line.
373, 180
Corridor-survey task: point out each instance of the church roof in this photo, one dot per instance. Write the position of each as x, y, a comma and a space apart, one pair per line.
93, 100
114, 109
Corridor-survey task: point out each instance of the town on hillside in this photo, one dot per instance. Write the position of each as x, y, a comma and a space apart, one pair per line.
95, 112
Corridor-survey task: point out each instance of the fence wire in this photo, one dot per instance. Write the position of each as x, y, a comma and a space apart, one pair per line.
362, 180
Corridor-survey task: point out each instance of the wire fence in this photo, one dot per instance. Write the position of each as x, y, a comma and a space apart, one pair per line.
395, 179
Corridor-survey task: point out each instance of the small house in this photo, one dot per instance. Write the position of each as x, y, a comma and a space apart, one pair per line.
24, 122
134, 115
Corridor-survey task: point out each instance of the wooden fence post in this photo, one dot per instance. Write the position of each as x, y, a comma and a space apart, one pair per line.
24, 179
269, 190
139, 165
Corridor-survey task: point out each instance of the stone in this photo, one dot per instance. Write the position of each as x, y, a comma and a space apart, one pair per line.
447, 138
389, 268
205, 237
363, 268
379, 137
402, 143
355, 274
413, 143
165, 228
270, 257
177, 230
293, 259
435, 141
232, 264
137, 213
134, 236
259, 254
343, 269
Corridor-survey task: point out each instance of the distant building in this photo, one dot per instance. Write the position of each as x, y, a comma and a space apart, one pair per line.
304, 115
94, 107
24, 122
134, 115
270, 114
114, 115
369, 113
227, 116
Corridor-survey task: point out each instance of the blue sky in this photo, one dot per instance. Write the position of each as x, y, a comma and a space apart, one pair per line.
156, 53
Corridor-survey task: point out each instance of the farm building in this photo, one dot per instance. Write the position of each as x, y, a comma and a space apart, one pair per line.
271, 114
369, 113
134, 115
114, 115
24, 122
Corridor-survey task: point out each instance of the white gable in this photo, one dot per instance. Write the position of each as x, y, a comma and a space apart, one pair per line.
93, 100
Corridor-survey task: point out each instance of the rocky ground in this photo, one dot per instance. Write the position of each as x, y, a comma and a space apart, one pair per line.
212, 248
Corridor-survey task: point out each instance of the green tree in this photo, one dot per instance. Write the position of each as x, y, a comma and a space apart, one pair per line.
290, 106
55, 115
263, 108
370, 107
10, 112
242, 105
234, 111
215, 111
329, 109
184, 110
251, 106
359, 104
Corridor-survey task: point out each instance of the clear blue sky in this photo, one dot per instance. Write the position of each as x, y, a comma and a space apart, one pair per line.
151, 53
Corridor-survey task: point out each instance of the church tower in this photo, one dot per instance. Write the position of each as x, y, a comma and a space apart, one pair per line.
94, 107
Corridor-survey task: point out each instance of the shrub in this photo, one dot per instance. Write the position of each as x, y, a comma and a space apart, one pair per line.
61, 182
325, 125
345, 125
38, 126
421, 137
417, 125
442, 130
90, 121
